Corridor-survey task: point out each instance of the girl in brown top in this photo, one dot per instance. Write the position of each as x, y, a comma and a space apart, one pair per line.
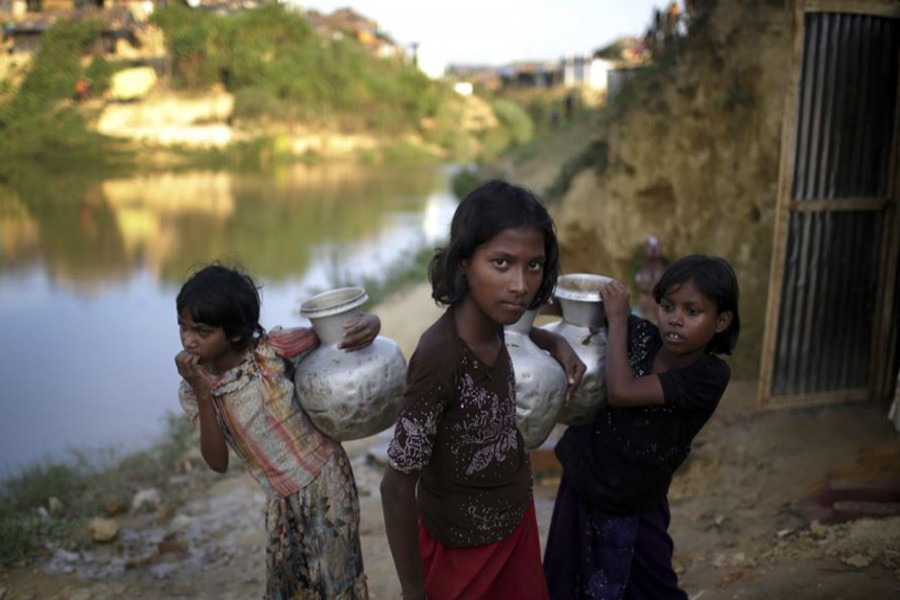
456, 495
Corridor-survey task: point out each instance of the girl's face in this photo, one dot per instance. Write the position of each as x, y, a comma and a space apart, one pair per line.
206, 341
505, 273
688, 320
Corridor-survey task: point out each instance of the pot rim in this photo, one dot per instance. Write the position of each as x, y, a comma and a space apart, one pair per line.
590, 295
333, 302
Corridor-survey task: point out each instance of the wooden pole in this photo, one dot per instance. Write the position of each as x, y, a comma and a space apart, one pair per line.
782, 211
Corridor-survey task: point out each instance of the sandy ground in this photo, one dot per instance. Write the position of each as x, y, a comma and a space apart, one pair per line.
735, 533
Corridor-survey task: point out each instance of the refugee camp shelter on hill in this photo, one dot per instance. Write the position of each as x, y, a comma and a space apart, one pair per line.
118, 25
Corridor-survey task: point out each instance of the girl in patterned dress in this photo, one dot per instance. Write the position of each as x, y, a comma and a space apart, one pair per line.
456, 495
238, 388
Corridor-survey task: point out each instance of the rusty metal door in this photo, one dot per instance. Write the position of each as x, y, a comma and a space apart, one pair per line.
830, 316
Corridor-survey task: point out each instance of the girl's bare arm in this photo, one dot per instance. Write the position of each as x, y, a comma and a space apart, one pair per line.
401, 522
560, 350
622, 387
212, 442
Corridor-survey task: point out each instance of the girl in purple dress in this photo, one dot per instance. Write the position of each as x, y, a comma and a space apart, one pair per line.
608, 537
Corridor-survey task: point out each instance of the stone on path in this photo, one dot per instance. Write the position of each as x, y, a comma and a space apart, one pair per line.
103, 530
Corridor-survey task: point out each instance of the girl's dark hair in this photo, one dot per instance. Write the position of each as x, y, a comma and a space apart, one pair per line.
223, 297
486, 211
715, 279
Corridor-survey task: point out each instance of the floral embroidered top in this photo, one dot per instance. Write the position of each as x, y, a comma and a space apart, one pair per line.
457, 429
260, 416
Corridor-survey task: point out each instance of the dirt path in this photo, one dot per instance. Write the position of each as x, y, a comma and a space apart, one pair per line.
734, 532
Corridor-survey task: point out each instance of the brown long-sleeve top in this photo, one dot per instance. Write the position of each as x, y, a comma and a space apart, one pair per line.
457, 428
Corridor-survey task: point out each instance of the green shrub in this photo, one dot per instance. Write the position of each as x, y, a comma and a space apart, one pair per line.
595, 156
259, 103
37, 123
36, 483
464, 181
187, 33
404, 153
515, 120
18, 538
251, 155
99, 73
493, 143
56, 67
179, 437
55, 138
83, 485
279, 68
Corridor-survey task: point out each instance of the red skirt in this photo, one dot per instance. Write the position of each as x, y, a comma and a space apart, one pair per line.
510, 568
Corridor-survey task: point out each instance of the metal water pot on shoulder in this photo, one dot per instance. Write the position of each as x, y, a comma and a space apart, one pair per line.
540, 382
348, 395
583, 325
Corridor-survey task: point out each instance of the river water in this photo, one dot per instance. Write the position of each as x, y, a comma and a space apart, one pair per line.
90, 269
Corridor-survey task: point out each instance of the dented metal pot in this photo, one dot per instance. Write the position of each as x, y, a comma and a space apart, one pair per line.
348, 395
583, 325
540, 383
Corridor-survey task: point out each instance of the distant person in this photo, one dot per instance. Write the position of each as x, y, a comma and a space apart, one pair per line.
457, 497
608, 536
649, 43
570, 105
674, 15
238, 387
646, 277
658, 32
82, 90
671, 25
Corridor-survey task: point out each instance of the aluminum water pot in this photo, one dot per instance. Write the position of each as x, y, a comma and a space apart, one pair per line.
583, 325
348, 395
540, 383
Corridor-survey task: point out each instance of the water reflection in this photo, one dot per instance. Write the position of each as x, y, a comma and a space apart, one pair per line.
89, 271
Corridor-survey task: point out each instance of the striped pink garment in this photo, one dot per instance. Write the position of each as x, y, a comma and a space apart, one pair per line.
260, 417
